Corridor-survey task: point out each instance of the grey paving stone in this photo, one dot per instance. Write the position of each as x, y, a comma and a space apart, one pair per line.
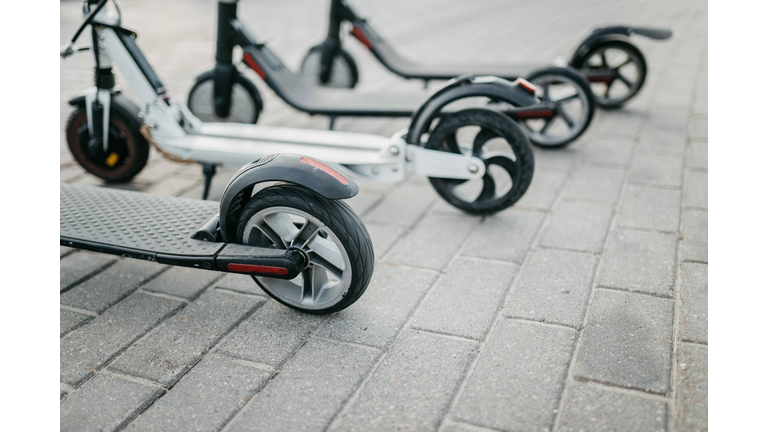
543, 190
309, 390
695, 235
168, 352
691, 388
381, 312
668, 140
610, 151
694, 302
403, 206
63, 250
699, 127
206, 397
661, 170
650, 208
412, 387
640, 261
69, 321
110, 286
76, 266
105, 403
620, 122
466, 299
433, 241
673, 101
590, 408
628, 341
240, 283
90, 347
595, 183
696, 190
518, 379
554, 287
578, 226
383, 237
270, 336
669, 118
504, 236
698, 155
555, 159
182, 282
363, 201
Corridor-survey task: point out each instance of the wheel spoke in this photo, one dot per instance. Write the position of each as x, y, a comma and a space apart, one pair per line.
282, 225
319, 281
547, 124
317, 260
451, 143
327, 250
307, 287
545, 89
489, 188
267, 232
624, 80
604, 60
608, 88
626, 62
567, 99
567, 117
481, 138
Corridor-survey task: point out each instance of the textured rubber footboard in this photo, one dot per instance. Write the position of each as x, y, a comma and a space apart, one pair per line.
136, 222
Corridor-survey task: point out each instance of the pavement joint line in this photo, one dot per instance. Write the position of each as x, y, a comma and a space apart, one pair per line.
164, 296
469, 427
695, 261
411, 267
625, 390
88, 276
626, 387
540, 322
558, 248
662, 152
78, 310
66, 387
693, 342
656, 186
531, 209
132, 378
630, 291
259, 366
346, 343
68, 253
490, 260
237, 293
628, 228
588, 201
445, 335
699, 170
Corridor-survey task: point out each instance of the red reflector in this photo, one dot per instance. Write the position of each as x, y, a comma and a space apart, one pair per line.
526, 85
251, 268
326, 169
252, 64
358, 33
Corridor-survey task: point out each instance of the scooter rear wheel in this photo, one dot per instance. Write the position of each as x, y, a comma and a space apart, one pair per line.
616, 71
246, 102
504, 147
328, 233
127, 150
343, 71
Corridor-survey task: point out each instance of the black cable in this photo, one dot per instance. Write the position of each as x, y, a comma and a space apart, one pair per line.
88, 20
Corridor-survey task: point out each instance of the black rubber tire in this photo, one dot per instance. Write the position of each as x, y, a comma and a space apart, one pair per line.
642, 70
337, 216
124, 137
345, 57
504, 127
578, 78
247, 84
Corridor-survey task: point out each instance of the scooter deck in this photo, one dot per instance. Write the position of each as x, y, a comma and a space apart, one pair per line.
136, 225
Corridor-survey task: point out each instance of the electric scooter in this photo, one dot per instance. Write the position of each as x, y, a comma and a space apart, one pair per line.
224, 94
298, 241
477, 159
615, 67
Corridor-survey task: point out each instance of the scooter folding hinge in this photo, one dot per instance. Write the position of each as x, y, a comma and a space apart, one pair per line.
441, 164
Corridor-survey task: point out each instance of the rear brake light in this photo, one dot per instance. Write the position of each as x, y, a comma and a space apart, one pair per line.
253, 65
357, 32
326, 169
524, 83
260, 269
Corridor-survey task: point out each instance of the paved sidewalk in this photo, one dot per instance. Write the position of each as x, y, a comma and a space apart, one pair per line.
583, 307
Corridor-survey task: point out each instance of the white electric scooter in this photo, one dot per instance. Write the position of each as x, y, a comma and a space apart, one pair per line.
477, 159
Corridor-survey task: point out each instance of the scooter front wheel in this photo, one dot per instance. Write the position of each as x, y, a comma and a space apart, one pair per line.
126, 152
327, 232
568, 107
246, 102
500, 143
343, 69
616, 71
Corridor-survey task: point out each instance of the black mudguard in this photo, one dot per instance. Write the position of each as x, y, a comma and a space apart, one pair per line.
465, 86
290, 168
615, 33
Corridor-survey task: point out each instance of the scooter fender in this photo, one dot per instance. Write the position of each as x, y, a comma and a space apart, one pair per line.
465, 86
290, 168
614, 33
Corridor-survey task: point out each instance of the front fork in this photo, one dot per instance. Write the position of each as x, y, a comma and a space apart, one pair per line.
225, 70
97, 105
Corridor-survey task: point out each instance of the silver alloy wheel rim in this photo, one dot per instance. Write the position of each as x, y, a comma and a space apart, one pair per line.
242, 109
313, 289
563, 120
341, 75
603, 95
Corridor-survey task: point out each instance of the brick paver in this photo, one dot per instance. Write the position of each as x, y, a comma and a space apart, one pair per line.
583, 307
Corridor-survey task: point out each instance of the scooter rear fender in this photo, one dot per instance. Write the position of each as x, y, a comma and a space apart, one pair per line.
290, 168
466, 86
615, 33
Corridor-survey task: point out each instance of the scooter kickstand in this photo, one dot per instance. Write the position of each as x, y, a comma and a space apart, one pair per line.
209, 170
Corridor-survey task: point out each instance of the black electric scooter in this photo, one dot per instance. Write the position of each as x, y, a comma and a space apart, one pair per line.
298, 241
614, 66
223, 94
